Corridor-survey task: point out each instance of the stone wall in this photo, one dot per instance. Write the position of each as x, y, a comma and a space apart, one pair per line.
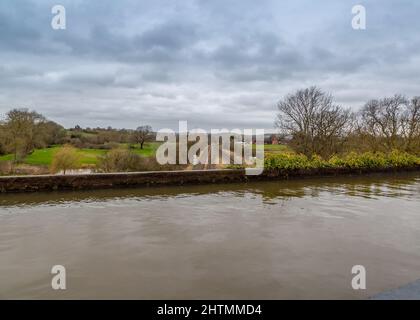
116, 180
156, 178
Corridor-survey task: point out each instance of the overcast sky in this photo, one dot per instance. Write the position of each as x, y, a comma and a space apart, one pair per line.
214, 63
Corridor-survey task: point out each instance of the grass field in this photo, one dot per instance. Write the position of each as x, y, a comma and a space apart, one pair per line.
273, 148
7, 157
148, 150
44, 156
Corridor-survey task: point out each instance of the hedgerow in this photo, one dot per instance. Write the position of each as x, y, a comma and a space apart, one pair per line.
352, 160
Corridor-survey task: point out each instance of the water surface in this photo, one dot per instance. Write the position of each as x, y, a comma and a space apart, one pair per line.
268, 240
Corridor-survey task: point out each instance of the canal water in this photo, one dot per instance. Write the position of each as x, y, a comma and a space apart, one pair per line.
268, 240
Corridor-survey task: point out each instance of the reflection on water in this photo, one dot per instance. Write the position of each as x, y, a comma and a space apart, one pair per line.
373, 186
284, 239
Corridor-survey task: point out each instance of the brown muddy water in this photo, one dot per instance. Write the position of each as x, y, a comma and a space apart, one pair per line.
267, 240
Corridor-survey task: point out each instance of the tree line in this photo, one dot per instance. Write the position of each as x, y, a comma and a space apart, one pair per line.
312, 123
22, 131
309, 121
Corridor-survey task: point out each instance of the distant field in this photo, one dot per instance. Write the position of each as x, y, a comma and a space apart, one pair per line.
148, 150
274, 148
44, 156
87, 156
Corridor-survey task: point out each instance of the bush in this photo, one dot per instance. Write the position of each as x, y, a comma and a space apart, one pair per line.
6, 167
64, 159
125, 160
402, 159
367, 160
119, 160
287, 161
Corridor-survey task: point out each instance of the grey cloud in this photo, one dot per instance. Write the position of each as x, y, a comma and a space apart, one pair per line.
209, 61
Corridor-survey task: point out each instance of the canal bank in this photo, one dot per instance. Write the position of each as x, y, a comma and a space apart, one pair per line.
167, 178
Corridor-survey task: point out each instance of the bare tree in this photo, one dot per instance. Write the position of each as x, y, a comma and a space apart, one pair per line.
142, 134
314, 122
411, 125
391, 123
3, 134
65, 159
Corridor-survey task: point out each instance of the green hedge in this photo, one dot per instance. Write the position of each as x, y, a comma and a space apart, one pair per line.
368, 160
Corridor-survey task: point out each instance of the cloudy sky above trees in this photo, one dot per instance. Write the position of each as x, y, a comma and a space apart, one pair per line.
215, 63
